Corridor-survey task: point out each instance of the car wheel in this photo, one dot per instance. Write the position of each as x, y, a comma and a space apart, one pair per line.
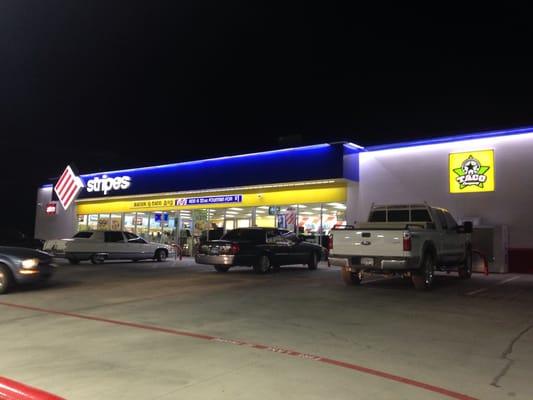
350, 278
160, 255
423, 279
96, 259
262, 266
221, 268
465, 271
313, 262
73, 261
6, 279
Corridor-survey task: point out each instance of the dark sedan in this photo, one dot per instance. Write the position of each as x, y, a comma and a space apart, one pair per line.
21, 265
264, 249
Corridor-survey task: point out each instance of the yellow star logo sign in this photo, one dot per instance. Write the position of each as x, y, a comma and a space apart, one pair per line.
471, 171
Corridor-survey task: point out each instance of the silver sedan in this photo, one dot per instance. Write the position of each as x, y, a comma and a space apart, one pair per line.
22, 265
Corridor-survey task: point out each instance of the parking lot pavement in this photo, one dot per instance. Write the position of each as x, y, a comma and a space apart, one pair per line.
178, 330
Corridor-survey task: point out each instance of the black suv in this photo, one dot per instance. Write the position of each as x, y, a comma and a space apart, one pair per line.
264, 249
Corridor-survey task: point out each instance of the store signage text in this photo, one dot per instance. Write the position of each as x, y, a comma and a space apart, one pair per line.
106, 184
153, 203
194, 201
472, 171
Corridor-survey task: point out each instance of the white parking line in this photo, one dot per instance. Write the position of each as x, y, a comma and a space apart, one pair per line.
490, 287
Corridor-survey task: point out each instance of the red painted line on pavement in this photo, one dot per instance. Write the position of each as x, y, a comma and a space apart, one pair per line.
342, 364
13, 390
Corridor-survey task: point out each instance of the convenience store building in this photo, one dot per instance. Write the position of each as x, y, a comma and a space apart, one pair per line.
484, 177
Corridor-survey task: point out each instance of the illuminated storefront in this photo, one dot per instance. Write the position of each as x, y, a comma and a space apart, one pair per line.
302, 189
483, 177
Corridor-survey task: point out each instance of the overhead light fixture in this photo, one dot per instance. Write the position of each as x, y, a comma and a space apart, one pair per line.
236, 208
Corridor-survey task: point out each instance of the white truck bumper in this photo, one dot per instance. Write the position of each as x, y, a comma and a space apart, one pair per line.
374, 263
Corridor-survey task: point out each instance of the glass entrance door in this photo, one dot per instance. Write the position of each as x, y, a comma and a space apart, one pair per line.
184, 223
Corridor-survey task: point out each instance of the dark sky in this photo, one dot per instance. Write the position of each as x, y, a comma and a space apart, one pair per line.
108, 84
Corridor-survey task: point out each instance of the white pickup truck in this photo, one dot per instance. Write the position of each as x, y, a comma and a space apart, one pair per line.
412, 240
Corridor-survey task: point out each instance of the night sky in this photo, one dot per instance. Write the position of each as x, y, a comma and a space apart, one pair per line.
108, 84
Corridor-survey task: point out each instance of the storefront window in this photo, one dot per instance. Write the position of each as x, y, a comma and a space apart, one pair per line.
333, 214
309, 222
129, 222
116, 222
265, 216
142, 225
103, 222
216, 217
169, 225
238, 217
286, 217
184, 231
155, 226
82, 222
92, 222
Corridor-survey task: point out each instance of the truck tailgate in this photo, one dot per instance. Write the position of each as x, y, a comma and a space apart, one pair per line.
368, 242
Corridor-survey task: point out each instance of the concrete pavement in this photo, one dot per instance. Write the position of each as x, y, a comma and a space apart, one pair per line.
472, 338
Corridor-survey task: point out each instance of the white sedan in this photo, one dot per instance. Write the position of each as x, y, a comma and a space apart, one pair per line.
98, 246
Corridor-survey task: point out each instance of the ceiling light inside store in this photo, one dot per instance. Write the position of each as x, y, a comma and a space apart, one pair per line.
232, 212
337, 205
301, 206
264, 207
236, 208
316, 209
307, 213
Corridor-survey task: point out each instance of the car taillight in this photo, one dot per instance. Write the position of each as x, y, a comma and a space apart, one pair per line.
330, 243
406, 241
234, 249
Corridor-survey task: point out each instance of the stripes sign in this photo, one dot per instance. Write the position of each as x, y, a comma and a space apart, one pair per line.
67, 187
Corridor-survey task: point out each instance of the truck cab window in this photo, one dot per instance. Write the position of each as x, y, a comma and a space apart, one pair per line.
442, 219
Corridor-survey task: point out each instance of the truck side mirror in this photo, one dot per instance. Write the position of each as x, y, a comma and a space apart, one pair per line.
468, 227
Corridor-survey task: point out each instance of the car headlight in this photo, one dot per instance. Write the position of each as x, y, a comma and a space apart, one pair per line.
30, 263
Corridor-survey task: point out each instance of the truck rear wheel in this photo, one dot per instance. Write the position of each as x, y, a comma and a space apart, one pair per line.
465, 270
423, 279
350, 278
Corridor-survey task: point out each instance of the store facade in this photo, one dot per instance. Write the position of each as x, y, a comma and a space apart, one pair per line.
303, 189
483, 177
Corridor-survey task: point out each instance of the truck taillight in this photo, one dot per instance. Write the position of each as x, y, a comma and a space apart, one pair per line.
406, 241
234, 249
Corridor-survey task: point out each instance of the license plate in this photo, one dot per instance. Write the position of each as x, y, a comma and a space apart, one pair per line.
214, 252
368, 261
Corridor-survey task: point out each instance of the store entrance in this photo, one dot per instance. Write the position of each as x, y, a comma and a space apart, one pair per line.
185, 232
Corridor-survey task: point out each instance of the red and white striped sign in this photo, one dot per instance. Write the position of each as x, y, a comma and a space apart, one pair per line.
67, 187
290, 216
